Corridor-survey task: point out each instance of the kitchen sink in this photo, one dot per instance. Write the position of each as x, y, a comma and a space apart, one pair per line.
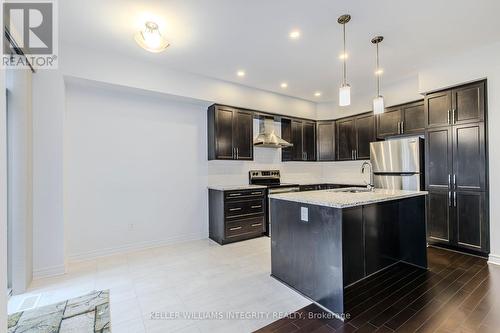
352, 190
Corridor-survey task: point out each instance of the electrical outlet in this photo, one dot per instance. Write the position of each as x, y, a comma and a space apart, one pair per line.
304, 214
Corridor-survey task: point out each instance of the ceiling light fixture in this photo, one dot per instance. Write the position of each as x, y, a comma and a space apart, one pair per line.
284, 85
378, 101
241, 73
295, 34
317, 93
150, 38
345, 88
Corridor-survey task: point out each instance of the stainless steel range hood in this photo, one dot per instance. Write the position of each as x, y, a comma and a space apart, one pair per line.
267, 136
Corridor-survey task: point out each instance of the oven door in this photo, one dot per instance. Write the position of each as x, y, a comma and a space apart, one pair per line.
276, 191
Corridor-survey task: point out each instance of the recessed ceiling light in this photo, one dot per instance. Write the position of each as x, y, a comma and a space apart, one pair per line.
294, 34
284, 85
379, 71
343, 56
241, 73
317, 93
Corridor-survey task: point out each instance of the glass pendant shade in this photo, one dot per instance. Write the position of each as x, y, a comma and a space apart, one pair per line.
150, 38
378, 105
345, 95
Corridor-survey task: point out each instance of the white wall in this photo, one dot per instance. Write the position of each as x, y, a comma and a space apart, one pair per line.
48, 222
477, 64
3, 204
105, 66
20, 177
135, 171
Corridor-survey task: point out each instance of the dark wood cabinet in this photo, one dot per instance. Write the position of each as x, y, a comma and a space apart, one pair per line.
438, 216
236, 215
326, 141
456, 168
354, 135
456, 106
365, 134
469, 161
302, 134
230, 133
346, 139
401, 119
413, 121
389, 122
439, 158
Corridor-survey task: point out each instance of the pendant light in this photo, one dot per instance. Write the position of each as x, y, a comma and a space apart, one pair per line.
345, 89
378, 101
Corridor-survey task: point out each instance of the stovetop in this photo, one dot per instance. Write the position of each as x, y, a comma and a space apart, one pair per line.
269, 178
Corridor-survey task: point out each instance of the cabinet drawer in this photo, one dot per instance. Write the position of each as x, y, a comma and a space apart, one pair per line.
246, 194
246, 207
245, 226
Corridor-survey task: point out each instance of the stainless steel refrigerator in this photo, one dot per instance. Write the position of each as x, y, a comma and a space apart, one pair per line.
398, 164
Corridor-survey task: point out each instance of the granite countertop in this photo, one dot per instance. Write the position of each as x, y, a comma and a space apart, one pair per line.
235, 187
338, 198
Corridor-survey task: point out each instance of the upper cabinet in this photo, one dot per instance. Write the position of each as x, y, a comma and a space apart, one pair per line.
230, 133
401, 119
455, 106
326, 140
302, 134
354, 135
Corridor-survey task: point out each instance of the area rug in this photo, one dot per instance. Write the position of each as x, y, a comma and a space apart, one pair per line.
89, 313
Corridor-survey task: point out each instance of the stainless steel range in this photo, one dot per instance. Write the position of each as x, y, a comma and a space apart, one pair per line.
272, 180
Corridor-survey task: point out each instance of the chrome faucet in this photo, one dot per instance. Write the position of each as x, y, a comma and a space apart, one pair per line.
370, 185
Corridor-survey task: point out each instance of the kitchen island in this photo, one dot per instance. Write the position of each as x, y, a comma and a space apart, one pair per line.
324, 242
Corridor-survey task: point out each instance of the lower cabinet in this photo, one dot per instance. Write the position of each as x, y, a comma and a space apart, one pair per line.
457, 219
236, 215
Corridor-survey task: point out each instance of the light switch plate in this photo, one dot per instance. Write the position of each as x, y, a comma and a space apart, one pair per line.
304, 214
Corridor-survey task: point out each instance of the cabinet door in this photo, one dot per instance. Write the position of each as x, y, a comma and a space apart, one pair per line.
469, 162
326, 141
309, 141
388, 122
365, 133
413, 118
224, 119
286, 134
438, 109
468, 103
439, 158
243, 134
472, 231
439, 216
346, 139
297, 151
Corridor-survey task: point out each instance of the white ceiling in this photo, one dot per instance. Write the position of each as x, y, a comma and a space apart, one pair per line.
216, 38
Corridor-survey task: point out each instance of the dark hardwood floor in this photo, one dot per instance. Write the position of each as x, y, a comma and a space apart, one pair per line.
459, 293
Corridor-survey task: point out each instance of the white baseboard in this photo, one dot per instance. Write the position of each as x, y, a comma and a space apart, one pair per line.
94, 254
494, 259
48, 272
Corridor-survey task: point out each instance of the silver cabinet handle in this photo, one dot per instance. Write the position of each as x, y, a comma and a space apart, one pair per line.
402, 127
453, 116
449, 198
236, 228
256, 193
455, 199
256, 224
259, 206
234, 194
234, 209
455, 181
352, 154
449, 111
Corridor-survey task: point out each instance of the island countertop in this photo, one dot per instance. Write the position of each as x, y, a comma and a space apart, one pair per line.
343, 198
